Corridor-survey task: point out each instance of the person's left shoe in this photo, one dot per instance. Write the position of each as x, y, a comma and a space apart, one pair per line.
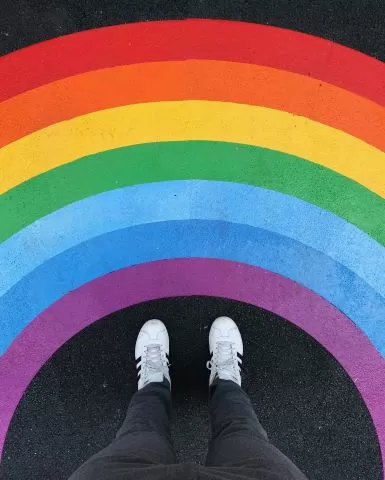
151, 353
226, 350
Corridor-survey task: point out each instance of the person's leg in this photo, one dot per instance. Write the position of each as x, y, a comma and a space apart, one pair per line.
233, 423
238, 439
144, 438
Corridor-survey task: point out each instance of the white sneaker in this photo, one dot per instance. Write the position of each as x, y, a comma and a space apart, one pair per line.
151, 353
226, 349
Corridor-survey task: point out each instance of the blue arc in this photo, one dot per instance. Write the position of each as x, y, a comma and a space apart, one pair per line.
185, 200
185, 239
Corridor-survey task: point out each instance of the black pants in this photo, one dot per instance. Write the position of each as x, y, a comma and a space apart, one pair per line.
239, 448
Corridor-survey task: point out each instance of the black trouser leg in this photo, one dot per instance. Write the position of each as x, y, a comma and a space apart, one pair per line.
239, 440
143, 439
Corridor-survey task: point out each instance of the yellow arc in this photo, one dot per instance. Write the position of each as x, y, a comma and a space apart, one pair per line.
191, 120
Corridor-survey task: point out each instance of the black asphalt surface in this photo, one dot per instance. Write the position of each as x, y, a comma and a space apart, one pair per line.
305, 400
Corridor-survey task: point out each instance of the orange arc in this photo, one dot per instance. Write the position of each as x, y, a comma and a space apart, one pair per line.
192, 80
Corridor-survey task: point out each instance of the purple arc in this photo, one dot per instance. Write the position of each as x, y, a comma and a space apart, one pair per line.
186, 277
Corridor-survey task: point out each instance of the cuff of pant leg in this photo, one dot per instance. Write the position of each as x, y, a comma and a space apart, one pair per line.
218, 382
164, 383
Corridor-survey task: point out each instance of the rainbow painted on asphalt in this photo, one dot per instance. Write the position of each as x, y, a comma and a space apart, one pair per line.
194, 157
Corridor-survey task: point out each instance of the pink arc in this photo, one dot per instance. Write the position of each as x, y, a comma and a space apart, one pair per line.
184, 277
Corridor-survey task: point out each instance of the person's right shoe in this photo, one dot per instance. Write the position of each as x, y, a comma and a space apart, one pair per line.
226, 349
151, 353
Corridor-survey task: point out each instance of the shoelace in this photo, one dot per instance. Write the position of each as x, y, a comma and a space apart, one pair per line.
225, 359
153, 361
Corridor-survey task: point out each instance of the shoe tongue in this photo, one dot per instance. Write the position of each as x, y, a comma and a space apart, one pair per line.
225, 362
155, 377
224, 353
224, 375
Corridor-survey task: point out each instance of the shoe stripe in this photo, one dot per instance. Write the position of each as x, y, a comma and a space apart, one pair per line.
138, 366
240, 356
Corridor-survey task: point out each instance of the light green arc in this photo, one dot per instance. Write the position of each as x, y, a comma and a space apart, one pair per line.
205, 160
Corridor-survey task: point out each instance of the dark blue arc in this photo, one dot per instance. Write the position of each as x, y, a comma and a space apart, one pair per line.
185, 239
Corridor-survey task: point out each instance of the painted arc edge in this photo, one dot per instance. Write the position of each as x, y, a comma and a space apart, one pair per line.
283, 49
193, 238
200, 160
191, 120
191, 200
192, 80
219, 278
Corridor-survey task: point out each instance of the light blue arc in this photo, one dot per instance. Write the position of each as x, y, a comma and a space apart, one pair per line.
185, 200
186, 239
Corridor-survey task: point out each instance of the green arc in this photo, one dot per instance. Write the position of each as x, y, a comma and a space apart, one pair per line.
205, 160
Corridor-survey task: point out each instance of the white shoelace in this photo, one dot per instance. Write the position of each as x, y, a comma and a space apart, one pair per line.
153, 363
225, 361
